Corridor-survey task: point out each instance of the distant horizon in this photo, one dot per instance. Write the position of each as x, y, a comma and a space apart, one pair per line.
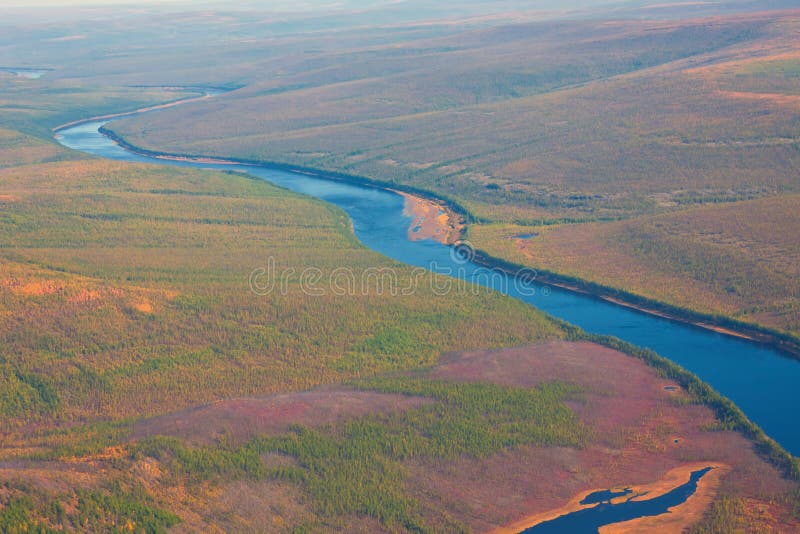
280, 5
288, 5
37, 4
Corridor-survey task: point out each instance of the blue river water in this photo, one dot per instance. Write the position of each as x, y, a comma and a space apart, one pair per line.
763, 382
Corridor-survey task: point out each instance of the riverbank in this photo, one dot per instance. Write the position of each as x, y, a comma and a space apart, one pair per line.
776, 366
208, 93
681, 517
440, 219
676, 520
780, 341
425, 202
431, 220
636, 421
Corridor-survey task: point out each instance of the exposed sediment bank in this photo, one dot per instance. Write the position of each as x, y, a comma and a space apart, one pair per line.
675, 520
431, 220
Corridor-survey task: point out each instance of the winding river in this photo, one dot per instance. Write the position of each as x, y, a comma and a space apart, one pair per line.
764, 383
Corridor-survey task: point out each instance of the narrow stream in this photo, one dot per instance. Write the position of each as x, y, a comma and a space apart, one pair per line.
760, 380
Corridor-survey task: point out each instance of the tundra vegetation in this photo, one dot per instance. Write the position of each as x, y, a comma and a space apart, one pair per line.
539, 124
125, 294
126, 316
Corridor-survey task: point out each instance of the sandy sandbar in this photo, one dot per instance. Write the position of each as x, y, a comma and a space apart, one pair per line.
431, 220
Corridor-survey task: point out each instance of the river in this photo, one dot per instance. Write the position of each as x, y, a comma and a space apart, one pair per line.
763, 382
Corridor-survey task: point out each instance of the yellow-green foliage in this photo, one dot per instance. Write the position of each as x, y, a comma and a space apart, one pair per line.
737, 259
124, 288
115, 507
356, 468
542, 139
726, 516
124, 292
36, 106
545, 128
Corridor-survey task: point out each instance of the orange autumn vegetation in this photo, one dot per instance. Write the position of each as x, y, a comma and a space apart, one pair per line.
739, 259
